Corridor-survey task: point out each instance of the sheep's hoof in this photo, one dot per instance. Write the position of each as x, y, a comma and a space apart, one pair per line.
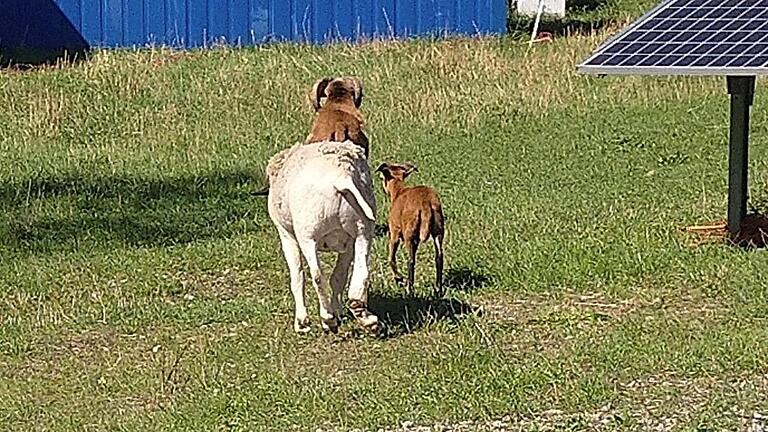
330, 325
302, 326
377, 328
369, 321
400, 281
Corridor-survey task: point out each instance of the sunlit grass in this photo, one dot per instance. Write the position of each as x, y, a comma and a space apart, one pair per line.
144, 287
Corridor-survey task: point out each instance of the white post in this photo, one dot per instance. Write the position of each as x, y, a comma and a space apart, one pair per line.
539, 11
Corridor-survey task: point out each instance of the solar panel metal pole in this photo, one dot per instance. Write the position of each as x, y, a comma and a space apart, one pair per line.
742, 90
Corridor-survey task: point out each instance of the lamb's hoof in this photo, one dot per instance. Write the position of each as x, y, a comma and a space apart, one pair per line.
302, 326
400, 281
330, 325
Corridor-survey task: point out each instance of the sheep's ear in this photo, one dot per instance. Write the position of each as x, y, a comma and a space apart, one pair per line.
317, 94
409, 169
357, 87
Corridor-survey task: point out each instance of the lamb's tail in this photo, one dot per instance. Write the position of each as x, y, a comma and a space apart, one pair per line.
346, 184
431, 221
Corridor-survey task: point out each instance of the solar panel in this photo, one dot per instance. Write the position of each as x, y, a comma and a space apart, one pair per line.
689, 37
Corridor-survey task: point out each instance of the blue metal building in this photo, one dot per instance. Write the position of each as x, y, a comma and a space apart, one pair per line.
193, 23
53, 24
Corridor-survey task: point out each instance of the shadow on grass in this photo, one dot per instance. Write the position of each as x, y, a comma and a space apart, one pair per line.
753, 234
584, 5
37, 32
580, 17
465, 279
46, 215
406, 314
381, 230
559, 27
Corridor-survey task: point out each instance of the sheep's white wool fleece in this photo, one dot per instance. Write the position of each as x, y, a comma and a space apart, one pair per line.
301, 180
346, 154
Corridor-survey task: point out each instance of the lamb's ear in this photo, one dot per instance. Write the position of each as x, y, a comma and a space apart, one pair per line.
383, 168
409, 169
357, 87
317, 94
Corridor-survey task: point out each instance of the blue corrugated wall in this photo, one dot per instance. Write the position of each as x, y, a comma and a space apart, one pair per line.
194, 23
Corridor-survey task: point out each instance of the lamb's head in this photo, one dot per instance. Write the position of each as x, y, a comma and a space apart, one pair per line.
392, 174
345, 90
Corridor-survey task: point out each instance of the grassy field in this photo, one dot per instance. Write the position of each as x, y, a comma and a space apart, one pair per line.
144, 287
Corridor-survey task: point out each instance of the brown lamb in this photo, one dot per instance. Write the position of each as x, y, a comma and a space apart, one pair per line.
337, 102
415, 215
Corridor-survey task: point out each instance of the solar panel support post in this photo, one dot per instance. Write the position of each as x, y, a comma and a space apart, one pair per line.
742, 90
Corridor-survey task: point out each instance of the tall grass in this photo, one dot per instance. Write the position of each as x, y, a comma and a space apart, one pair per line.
144, 288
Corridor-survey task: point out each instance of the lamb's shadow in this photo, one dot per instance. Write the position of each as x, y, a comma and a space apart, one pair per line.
465, 279
404, 314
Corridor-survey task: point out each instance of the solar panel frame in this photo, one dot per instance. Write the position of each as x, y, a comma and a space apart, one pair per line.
689, 37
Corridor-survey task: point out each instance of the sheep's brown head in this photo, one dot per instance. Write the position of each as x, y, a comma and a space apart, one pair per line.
395, 172
340, 90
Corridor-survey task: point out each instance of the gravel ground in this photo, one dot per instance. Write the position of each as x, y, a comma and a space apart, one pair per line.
604, 419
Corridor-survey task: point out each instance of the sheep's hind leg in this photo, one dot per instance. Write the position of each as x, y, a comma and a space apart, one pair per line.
358, 287
292, 253
339, 279
328, 320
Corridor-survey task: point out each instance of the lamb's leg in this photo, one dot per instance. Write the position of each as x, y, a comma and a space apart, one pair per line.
438, 265
358, 287
328, 320
301, 322
339, 279
394, 243
412, 244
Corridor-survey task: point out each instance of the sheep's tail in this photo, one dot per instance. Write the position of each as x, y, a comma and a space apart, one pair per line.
346, 184
263, 192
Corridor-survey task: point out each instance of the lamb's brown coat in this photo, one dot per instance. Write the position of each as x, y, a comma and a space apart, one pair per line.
415, 215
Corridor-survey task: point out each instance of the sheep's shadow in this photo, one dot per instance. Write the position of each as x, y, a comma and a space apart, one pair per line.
405, 314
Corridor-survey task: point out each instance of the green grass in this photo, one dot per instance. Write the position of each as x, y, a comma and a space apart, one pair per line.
144, 287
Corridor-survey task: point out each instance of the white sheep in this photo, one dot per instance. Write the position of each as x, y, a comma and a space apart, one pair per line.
321, 199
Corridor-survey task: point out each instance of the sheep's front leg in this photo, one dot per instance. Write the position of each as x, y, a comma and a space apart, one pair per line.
301, 322
358, 287
328, 320
339, 279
